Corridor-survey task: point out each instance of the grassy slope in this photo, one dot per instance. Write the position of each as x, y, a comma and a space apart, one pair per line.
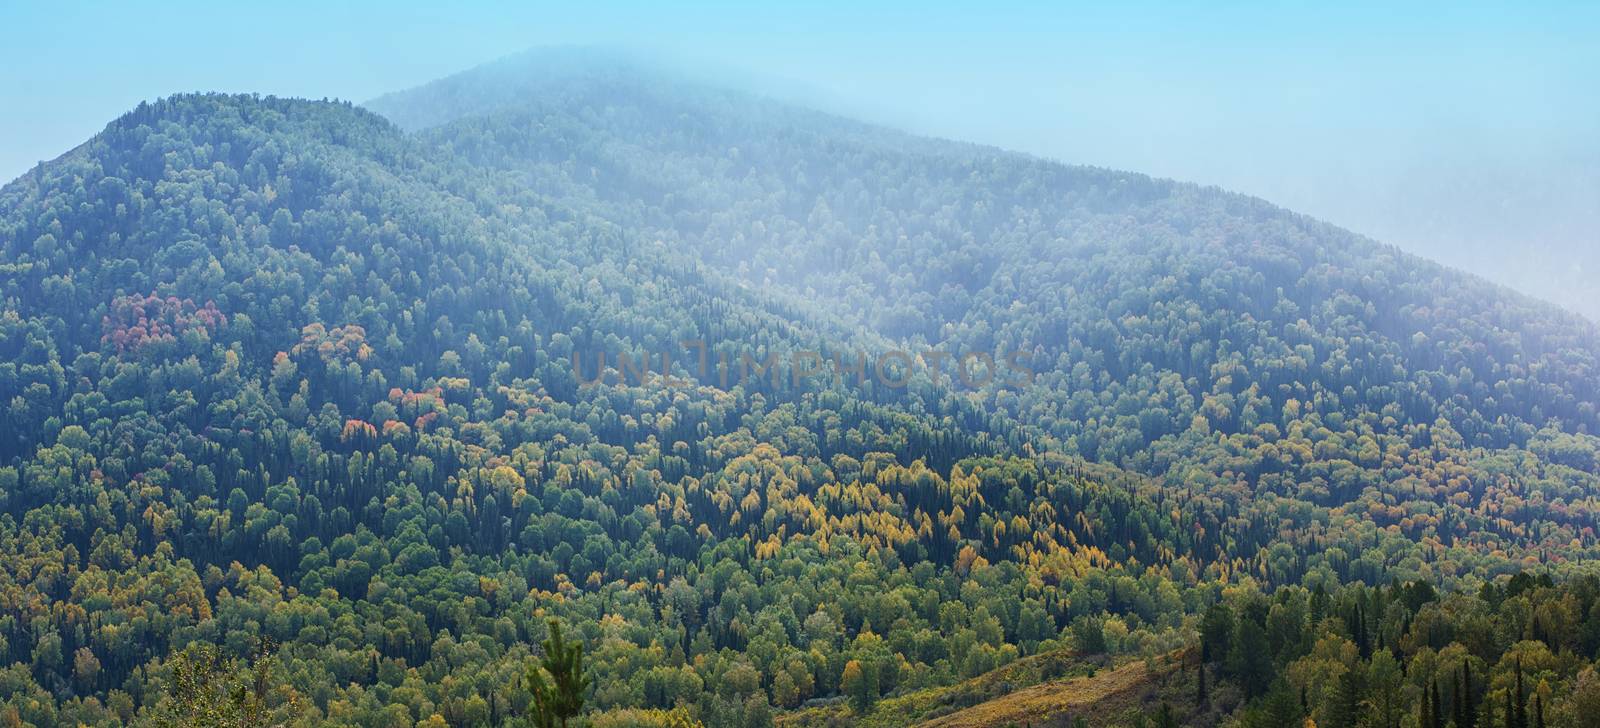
1050, 689
1101, 696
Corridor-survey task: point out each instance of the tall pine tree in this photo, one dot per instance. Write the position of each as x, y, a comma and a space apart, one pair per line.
558, 697
1521, 700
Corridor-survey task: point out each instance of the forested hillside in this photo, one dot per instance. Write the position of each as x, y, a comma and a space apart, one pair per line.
1237, 352
315, 388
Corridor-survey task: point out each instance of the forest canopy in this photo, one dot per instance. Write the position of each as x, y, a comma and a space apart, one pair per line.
300, 373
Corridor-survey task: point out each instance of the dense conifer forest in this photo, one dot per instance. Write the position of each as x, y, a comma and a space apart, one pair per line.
400, 415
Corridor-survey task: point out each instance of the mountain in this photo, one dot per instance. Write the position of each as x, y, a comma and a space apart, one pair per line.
321, 386
1231, 349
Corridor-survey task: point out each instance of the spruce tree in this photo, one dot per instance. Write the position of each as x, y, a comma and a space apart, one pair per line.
1359, 627
1249, 658
559, 697
1164, 717
1345, 709
1521, 700
1439, 704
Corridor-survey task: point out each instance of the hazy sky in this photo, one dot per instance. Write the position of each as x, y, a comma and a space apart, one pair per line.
1466, 132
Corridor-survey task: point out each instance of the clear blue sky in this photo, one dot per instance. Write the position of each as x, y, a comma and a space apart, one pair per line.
1466, 132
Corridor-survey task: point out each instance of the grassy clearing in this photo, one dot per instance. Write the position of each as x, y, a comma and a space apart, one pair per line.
1042, 690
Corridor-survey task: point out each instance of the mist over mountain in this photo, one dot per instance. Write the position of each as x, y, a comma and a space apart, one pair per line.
1526, 217
1521, 216
323, 415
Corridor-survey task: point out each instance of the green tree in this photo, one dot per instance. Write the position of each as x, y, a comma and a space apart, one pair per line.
853, 682
205, 689
1164, 717
557, 682
1344, 706
1216, 633
1385, 703
1249, 660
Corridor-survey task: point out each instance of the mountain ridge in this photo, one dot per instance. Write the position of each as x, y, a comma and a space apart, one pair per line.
560, 68
569, 71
